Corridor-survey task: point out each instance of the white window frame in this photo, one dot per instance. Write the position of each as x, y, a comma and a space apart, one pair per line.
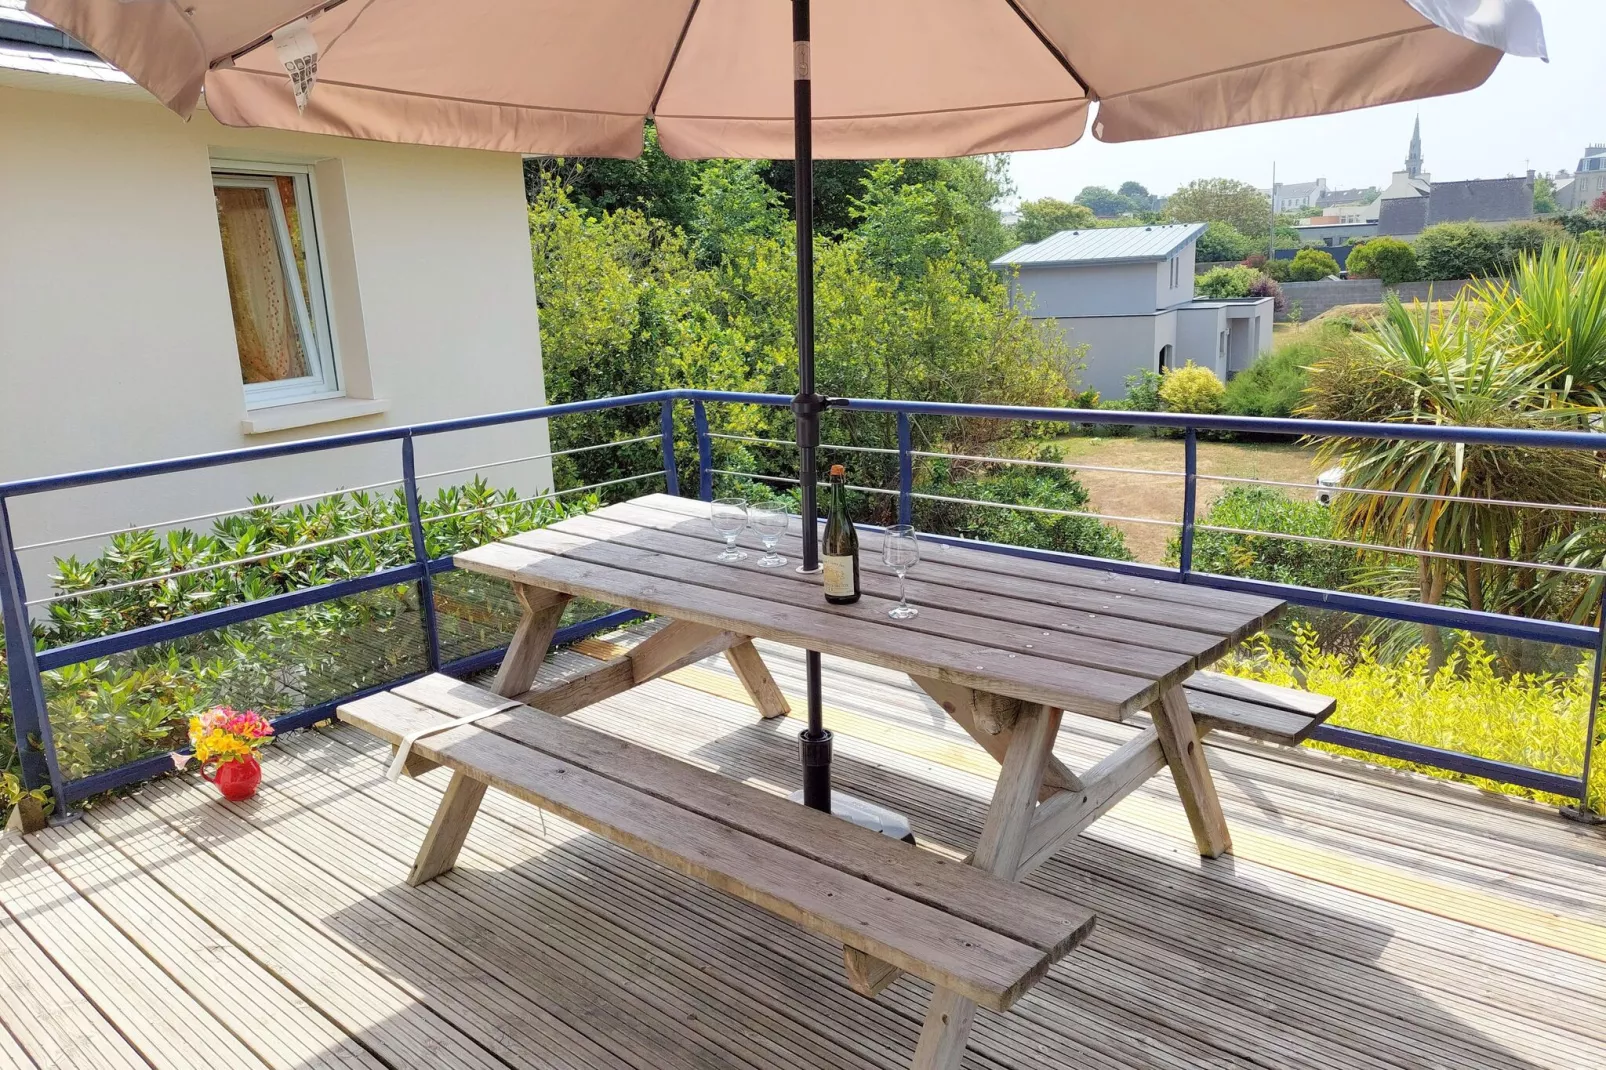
326, 381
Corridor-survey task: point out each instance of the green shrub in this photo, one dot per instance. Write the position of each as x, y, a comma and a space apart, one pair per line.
1044, 488
1531, 719
1312, 264
1272, 386
1191, 388
1278, 269
1458, 251
1388, 259
1474, 251
1142, 392
1225, 282
119, 709
1262, 557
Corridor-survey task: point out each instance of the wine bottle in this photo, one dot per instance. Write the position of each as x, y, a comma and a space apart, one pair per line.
840, 549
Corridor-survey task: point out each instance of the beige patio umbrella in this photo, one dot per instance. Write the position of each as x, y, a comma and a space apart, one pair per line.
739, 78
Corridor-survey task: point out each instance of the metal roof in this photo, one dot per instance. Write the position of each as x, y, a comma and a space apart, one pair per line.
30, 44
1111, 245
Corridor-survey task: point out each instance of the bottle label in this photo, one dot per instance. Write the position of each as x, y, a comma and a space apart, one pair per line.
838, 576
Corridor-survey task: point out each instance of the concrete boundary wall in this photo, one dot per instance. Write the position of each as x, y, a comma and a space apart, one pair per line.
1317, 297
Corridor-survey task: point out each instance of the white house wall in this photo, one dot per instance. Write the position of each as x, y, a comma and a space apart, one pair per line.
116, 339
1166, 295
1199, 330
1095, 290
1118, 346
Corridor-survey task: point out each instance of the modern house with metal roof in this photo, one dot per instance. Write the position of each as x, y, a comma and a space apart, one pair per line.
1127, 294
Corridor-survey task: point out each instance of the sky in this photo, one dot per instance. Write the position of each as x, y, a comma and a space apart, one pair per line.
1528, 114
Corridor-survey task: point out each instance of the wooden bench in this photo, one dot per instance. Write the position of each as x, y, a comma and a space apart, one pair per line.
1254, 709
974, 936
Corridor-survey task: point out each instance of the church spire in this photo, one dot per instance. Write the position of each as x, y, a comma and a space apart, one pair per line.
1413, 162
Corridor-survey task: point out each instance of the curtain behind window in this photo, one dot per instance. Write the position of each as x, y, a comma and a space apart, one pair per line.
259, 293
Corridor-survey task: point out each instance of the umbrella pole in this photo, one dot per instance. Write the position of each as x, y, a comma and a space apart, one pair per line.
814, 741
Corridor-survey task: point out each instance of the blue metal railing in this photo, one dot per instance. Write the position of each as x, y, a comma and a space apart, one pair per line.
38, 759
1575, 636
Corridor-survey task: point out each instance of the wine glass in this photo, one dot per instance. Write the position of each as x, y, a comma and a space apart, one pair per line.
729, 517
900, 550
770, 519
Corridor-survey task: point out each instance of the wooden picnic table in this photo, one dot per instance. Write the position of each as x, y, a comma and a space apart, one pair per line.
1006, 645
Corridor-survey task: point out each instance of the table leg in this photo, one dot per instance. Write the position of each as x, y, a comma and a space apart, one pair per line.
1179, 739
999, 851
443, 842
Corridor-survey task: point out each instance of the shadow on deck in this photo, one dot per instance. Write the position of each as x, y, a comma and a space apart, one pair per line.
1366, 920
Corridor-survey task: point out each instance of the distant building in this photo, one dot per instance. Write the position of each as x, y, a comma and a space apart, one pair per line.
1588, 181
1292, 196
1128, 293
1413, 201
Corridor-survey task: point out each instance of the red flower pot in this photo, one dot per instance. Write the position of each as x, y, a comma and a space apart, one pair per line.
237, 780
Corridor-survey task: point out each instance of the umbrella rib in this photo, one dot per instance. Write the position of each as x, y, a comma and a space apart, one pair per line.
370, 88
235, 54
1053, 49
669, 68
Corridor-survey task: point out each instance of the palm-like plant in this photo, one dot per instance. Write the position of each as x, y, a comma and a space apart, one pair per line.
1555, 301
1467, 364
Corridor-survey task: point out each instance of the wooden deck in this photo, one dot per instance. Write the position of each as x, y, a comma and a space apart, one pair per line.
1365, 920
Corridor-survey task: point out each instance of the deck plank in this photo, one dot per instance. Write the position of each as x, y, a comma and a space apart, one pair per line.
51, 1020
277, 1023
163, 1022
549, 947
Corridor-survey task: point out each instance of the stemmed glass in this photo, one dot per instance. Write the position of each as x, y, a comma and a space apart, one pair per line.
770, 519
900, 550
729, 517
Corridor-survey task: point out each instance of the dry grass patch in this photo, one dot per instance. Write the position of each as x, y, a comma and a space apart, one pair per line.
1160, 497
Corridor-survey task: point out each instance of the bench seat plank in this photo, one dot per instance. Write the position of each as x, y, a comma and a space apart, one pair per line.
947, 950
1254, 709
1016, 911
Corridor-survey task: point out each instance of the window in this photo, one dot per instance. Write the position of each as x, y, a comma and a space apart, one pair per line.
268, 224
1176, 262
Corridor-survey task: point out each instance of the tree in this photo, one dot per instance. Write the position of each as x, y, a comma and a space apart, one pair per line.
1545, 196
1312, 264
1105, 202
1598, 205
654, 184
1221, 242
1389, 259
1047, 216
1139, 195
1223, 200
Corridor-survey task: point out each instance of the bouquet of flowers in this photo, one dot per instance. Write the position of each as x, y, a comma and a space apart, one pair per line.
223, 734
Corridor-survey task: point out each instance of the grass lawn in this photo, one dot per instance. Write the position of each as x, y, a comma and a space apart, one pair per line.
1160, 497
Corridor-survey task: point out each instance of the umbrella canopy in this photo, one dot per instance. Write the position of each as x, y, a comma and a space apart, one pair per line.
892, 78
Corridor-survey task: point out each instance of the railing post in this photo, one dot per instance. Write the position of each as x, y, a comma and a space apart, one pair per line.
705, 452
1582, 812
426, 582
666, 438
1190, 499
906, 472
30, 717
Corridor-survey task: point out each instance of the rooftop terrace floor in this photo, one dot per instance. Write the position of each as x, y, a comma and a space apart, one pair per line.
1365, 920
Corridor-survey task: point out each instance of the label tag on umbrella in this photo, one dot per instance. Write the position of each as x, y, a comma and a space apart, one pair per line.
800, 61
298, 51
